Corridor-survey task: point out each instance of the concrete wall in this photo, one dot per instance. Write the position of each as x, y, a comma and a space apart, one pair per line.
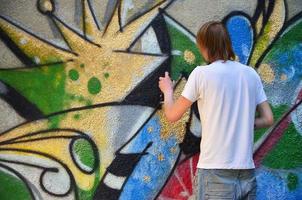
80, 105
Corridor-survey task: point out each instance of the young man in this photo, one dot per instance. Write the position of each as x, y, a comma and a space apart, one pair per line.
228, 94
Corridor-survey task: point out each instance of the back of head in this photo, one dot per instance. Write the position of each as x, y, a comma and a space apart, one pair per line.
214, 38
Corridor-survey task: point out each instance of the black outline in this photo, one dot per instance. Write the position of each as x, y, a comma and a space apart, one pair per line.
70, 110
138, 37
15, 49
89, 9
81, 135
57, 20
156, 109
141, 14
96, 154
19, 103
139, 53
32, 34
19, 175
285, 26
102, 186
65, 111
25, 108
158, 20
177, 22
116, 6
72, 180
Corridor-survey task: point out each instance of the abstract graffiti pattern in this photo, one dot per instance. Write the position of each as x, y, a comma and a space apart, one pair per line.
78, 140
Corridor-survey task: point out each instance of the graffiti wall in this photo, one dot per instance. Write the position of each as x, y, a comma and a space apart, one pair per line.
80, 106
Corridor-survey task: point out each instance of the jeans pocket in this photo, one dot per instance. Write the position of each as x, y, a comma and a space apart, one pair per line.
219, 190
252, 193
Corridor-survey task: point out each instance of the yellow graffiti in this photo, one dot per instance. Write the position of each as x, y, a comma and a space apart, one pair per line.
104, 52
270, 30
189, 56
266, 72
177, 129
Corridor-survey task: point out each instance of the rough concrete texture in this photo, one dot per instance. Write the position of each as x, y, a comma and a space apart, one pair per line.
80, 113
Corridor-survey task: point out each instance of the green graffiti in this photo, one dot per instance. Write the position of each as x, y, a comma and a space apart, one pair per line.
287, 42
277, 112
94, 85
43, 86
12, 188
181, 43
80, 99
76, 116
287, 153
292, 181
261, 44
55, 121
88, 194
85, 154
106, 75
73, 74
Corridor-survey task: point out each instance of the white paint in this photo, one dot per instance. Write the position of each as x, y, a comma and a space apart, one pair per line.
141, 119
35, 191
55, 182
176, 52
150, 42
80, 163
262, 139
195, 126
192, 172
127, 5
113, 181
296, 115
23, 41
245, 50
185, 191
135, 122
292, 72
8, 117
148, 69
184, 194
37, 59
143, 25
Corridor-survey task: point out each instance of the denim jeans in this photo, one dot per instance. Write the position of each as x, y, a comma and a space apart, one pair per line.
217, 184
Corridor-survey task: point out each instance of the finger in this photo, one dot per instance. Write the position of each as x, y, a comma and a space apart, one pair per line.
166, 74
161, 78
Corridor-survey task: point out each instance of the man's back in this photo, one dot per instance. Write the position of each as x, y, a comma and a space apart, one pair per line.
227, 94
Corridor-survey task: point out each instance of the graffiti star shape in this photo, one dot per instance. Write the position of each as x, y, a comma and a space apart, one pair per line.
93, 61
96, 58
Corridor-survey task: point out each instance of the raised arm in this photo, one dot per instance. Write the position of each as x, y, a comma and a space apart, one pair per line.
173, 111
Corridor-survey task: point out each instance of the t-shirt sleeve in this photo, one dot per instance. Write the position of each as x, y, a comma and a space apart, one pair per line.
260, 94
191, 89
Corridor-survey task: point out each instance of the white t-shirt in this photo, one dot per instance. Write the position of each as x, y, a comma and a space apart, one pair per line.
227, 94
